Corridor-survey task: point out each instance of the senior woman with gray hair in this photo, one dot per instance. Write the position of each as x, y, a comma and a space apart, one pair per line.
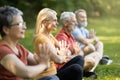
16, 62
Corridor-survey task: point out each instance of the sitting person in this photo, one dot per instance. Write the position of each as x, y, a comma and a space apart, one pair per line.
91, 45
68, 21
47, 22
16, 62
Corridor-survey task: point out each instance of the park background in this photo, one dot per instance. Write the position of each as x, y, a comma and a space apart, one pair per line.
103, 16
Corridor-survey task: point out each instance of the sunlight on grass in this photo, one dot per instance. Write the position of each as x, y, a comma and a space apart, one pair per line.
112, 39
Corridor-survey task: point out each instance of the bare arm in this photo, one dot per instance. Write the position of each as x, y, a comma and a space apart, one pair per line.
13, 64
31, 59
18, 68
77, 49
83, 40
54, 55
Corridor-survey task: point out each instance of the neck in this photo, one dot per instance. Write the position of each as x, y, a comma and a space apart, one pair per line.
46, 32
10, 42
67, 31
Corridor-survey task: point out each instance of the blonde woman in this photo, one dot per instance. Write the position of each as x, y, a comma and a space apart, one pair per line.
47, 22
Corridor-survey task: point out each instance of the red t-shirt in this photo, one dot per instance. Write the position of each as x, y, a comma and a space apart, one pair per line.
62, 35
4, 50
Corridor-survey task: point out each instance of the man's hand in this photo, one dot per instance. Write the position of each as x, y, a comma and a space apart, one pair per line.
77, 48
92, 33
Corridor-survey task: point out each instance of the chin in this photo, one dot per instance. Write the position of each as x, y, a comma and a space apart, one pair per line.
22, 37
54, 29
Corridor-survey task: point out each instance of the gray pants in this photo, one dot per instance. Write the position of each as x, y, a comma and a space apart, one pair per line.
51, 77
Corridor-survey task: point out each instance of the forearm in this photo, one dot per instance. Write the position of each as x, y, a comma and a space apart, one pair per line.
58, 58
31, 71
32, 59
90, 40
18, 68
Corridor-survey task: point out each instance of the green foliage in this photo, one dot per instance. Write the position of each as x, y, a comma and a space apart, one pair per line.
107, 28
93, 7
28, 41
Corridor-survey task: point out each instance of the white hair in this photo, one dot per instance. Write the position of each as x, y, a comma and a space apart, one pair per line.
65, 16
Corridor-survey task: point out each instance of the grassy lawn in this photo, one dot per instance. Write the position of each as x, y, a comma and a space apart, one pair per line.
108, 31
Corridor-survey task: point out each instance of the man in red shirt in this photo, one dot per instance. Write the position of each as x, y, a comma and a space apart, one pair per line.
69, 22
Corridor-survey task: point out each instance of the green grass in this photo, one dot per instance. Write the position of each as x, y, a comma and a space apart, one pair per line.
108, 31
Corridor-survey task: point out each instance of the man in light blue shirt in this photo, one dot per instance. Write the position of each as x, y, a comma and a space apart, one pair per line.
91, 45
80, 31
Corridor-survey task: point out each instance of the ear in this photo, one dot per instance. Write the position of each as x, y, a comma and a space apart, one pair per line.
44, 22
5, 30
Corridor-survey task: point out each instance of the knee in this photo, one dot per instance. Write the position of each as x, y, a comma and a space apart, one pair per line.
77, 69
88, 49
80, 58
91, 48
100, 44
89, 63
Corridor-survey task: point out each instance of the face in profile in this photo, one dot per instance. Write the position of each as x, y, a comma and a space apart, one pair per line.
18, 27
82, 19
71, 24
52, 23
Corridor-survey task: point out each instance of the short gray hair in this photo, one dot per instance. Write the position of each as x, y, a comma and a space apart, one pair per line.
6, 16
79, 10
65, 16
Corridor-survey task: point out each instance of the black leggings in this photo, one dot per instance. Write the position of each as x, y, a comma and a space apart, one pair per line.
72, 70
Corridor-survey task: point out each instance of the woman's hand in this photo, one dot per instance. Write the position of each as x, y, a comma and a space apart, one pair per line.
44, 55
63, 48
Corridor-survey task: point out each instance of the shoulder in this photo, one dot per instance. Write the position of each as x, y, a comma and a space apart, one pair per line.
21, 47
76, 30
4, 49
61, 36
85, 29
41, 38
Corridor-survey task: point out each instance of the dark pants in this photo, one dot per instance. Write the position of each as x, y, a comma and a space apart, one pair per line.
72, 70
51, 77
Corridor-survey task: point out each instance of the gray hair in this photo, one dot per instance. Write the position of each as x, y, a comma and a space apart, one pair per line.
79, 10
6, 16
65, 16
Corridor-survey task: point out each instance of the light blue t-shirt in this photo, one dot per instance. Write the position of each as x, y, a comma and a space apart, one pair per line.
82, 32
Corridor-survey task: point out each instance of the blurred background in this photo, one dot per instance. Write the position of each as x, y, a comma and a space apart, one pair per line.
103, 16
94, 8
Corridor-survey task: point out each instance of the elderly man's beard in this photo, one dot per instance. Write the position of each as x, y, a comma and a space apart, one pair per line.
71, 29
82, 24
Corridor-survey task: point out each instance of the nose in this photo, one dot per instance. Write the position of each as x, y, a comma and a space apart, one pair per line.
24, 26
57, 23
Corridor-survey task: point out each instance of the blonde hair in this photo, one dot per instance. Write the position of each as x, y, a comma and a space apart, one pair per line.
44, 14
